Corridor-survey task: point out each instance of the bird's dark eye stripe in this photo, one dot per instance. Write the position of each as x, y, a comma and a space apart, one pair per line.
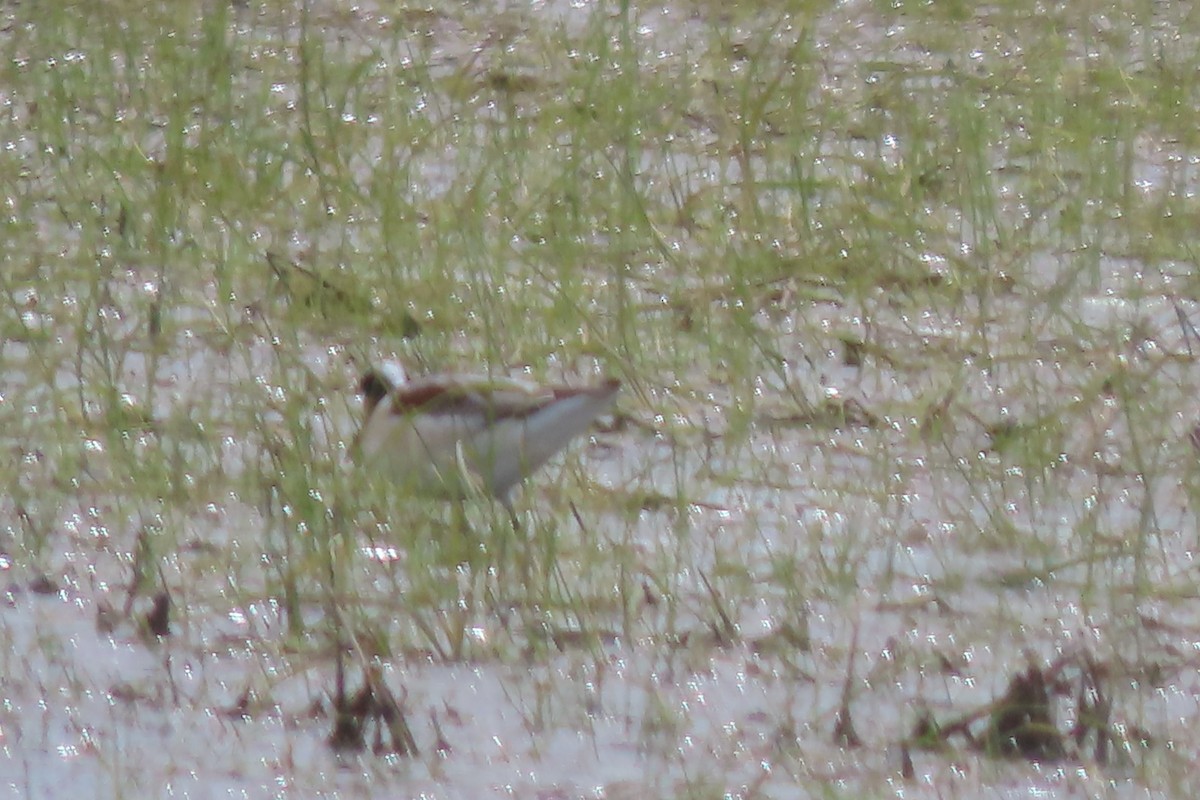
373, 388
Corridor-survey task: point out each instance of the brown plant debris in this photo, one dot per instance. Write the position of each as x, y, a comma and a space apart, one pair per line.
1022, 722
372, 708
